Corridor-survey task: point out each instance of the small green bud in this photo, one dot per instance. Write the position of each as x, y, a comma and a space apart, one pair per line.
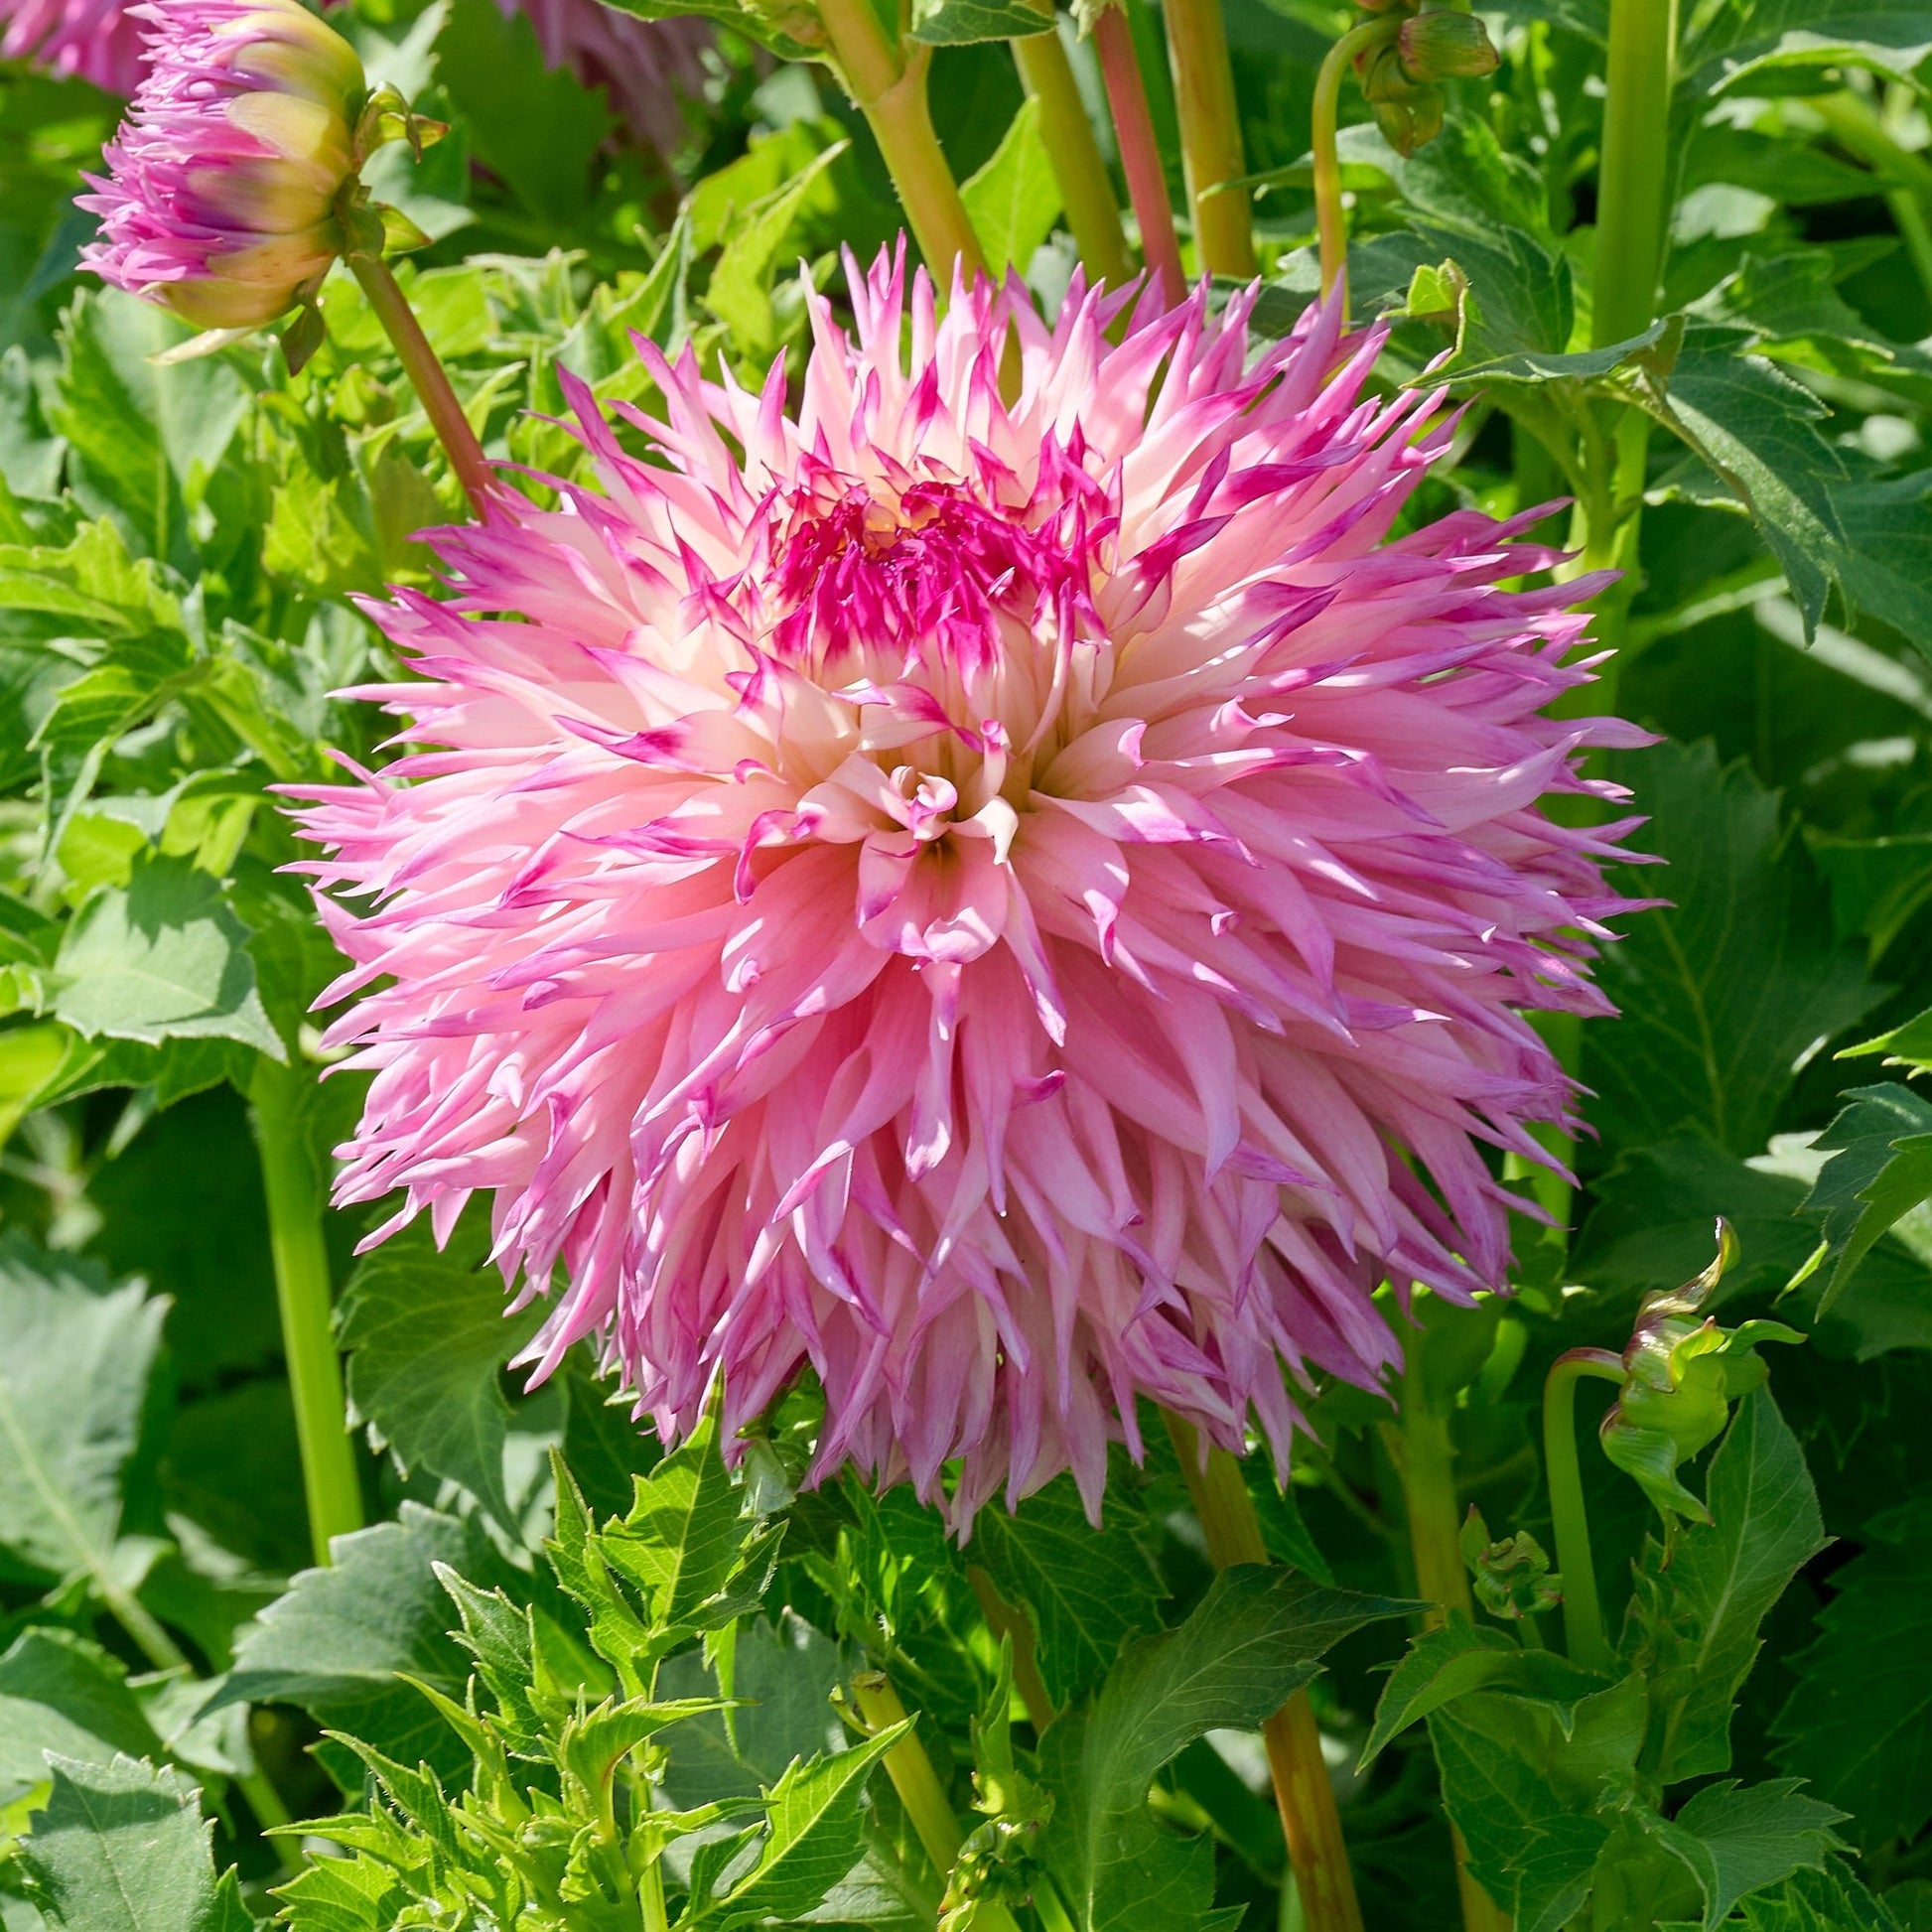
1512, 1578
1447, 46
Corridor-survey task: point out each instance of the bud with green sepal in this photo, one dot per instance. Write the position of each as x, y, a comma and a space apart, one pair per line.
1681, 1374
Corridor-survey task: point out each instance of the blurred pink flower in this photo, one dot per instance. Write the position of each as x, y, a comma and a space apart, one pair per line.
1023, 907
98, 40
219, 198
648, 68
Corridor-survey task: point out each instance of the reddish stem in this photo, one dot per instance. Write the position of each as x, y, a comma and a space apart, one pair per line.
1140, 153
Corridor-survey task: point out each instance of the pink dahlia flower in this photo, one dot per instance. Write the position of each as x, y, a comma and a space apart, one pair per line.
648, 68
98, 40
1020, 906
221, 186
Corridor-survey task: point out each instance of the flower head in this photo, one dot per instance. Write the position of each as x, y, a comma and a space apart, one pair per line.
98, 40
1018, 906
221, 197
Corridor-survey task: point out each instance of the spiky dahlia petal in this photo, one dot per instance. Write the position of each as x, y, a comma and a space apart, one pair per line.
1020, 906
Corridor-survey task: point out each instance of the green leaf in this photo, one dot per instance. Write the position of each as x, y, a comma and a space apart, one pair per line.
338, 1643
1859, 1724
1256, 1637
1015, 199
774, 25
1742, 1841
1879, 1171
74, 1384
1443, 1665
1724, 995
1087, 1590
162, 958
739, 293
427, 1339
1887, 566
1722, 1577
90, 581
1757, 429
61, 1693
1740, 39
814, 1837
686, 1533
953, 22
124, 1848
142, 439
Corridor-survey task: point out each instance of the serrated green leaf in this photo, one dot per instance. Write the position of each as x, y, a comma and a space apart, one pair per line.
813, 1837
123, 1848
1859, 1724
60, 1693
1013, 201
1459, 1658
336, 1642
957, 23
1088, 1591
1738, 1841
73, 1383
1257, 1636
1879, 1171
686, 1532
165, 958
427, 1338
1726, 993
1722, 1579
760, 248
1729, 43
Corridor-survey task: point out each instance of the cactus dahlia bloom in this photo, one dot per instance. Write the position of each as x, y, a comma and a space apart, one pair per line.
1020, 906
220, 201
98, 40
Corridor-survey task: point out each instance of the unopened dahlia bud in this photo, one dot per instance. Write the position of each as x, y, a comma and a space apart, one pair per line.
1409, 113
1682, 1372
220, 201
1447, 46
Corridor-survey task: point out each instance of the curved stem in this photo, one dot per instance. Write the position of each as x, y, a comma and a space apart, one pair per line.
889, 90
1310, 1824
1139, 152
427, 377
1583, 1614
294, 1193
1078, 165
1210, 136
1634, 177
1332, 224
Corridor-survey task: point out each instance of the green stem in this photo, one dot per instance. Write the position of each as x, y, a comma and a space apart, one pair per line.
140, 1623
1633, 178
1210, 136
295, 1209
1861, 130
426, 375
1583, 1614
1140, 150
1423, 1449
1078, 165
889, 90
1332, 224
651, 1899
1310, 1824
919, 1786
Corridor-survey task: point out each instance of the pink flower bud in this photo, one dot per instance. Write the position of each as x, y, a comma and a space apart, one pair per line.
220, 197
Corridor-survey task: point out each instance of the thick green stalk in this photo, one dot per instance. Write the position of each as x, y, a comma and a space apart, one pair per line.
426, 376
1140, 150
889, 90
1331, 224
1210, 136
296, 1202
1583, 1614
1078, 165
1633, 178
1423, 1449
919, 1786
1310, 1824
